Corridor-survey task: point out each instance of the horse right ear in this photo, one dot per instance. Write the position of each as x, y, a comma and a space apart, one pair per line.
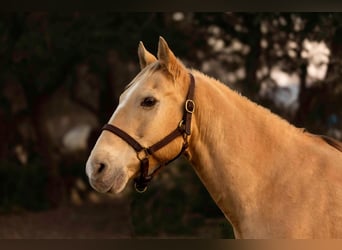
145, 57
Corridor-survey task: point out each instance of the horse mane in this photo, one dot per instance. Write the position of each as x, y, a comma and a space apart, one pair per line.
323, 138
331, 141
263, 111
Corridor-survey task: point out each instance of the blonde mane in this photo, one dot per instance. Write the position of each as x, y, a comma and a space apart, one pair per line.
223, 99
260, 111
228, 92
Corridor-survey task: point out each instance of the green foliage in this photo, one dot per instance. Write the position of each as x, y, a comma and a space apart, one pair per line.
22, 187
158, 212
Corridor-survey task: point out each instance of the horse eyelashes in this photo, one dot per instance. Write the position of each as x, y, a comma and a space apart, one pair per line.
148, 102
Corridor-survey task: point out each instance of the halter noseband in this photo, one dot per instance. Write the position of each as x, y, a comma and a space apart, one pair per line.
143, 153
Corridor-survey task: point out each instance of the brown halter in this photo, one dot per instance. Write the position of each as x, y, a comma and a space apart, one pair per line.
143, 153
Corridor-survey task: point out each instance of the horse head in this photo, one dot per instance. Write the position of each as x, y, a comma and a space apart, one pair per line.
150, 107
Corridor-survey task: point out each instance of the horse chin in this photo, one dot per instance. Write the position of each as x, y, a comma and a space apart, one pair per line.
100, 186
115, 190
119, 183
113, 183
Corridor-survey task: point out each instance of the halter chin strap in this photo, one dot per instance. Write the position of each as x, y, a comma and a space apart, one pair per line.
183, 129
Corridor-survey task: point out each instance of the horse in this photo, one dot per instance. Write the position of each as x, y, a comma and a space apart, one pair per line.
269, 178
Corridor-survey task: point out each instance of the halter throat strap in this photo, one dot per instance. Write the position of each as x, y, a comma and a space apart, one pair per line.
143, 153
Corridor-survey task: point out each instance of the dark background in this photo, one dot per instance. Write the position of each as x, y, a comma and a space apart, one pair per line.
60, 79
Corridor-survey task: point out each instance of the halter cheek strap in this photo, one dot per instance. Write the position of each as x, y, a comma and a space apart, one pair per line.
143, 153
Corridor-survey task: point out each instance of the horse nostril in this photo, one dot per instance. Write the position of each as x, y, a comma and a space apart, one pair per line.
101, 167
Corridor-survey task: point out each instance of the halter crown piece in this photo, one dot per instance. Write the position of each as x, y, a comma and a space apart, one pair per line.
143, 153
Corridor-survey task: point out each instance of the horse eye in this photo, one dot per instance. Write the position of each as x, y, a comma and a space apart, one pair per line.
149, 102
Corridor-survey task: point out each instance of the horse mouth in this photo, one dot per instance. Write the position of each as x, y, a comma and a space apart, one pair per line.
118, 184
113, 185
100, 186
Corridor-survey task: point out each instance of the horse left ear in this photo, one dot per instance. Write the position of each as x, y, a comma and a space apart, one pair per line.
145, 57
168, 60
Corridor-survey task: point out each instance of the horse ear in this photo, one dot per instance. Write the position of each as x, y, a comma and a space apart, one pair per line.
168, 60
145, 57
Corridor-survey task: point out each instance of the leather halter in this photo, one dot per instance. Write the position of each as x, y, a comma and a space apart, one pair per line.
143, 153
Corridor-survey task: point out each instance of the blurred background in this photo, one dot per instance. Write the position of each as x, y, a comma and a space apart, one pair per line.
60, 79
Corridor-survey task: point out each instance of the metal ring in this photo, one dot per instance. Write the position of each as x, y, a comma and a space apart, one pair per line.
146, 154
138, 190
187, 108
180, 124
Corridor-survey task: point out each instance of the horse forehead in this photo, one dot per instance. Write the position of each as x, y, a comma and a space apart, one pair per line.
154, 81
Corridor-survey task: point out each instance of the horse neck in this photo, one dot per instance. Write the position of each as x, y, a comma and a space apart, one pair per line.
230, 146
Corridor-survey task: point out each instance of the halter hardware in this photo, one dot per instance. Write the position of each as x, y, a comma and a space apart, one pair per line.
183, 129
137, 188
144, 150
189, 106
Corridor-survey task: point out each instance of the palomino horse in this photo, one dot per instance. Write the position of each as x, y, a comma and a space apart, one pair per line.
269, 178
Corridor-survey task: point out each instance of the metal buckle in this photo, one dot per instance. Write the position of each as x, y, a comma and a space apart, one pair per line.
181, 124
146, 154
138, 190
191, 110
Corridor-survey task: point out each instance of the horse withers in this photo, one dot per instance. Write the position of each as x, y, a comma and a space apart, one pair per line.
269, 178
